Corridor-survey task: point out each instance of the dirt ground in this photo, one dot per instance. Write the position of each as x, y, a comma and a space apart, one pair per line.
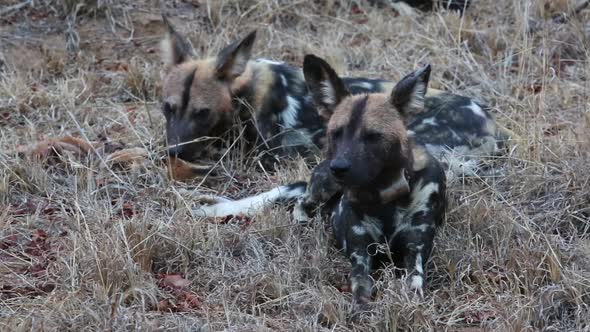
87, 245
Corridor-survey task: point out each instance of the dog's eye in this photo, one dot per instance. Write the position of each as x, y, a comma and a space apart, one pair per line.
372, 136
168, 109
201, 113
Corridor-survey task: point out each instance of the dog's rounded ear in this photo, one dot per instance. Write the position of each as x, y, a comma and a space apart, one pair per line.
325, 86
232, 60
408, 94
176, 48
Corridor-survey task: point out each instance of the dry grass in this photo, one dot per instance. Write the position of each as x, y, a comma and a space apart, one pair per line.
86, 246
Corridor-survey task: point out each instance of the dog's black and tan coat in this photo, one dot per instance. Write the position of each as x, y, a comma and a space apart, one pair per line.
392, 191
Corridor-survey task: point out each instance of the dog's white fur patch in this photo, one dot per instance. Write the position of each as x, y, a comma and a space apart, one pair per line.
477, 109
417, 100
406, 226
328, 93
289, 114
359, 230
249, 206
364, 85
373, 226
419, 203
429, 121
418, 265
340, 207
270, 62
420, 197
417, 283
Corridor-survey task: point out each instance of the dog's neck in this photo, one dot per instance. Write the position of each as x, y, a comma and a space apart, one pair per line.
253, 90
389, 187
399, 186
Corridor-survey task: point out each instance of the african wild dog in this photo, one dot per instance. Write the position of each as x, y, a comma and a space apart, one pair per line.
393, 192
203, 99
387, 193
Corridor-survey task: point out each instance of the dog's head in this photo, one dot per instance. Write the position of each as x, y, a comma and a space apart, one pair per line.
197, 94
367, 137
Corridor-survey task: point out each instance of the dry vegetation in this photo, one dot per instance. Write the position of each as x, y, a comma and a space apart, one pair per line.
88, 245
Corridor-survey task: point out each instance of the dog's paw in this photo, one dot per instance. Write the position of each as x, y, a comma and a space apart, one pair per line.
416, 284
299, 212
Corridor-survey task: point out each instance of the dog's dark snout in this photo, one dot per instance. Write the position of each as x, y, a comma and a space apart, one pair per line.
339, 167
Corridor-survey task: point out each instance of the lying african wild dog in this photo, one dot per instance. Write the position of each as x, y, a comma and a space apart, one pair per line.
388, 193
205, 98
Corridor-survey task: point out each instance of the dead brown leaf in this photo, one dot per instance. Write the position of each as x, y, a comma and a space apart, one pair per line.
128, 158
54, 147
127, 211
181, 170
165, 306
39, 235
8, 241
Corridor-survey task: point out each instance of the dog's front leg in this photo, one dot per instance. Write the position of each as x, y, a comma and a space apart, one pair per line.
414, 263
417, 250
361, 283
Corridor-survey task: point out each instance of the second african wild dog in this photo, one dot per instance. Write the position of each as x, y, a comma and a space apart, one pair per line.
203, 99
388, 194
